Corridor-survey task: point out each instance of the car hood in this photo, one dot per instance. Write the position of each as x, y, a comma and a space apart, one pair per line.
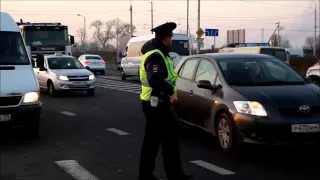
17, 81
291, 96
71, 72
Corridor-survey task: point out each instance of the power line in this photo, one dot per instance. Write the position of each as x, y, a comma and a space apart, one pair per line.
72, 14
247, 1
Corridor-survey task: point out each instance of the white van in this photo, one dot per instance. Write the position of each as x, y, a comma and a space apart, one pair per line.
19, 88
131, 60
277, 52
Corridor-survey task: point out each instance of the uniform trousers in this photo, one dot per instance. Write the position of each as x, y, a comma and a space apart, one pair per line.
160, 129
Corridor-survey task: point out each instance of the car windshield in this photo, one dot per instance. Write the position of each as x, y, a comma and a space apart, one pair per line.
93, 57
64, 63
259, 72
12, 51
278, 53
46, 37
181, 47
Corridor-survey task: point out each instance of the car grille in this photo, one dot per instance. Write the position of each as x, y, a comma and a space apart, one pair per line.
10, 101
296, 112
78, 78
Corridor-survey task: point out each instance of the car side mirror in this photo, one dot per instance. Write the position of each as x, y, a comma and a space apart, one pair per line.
309, 80
205, 84
71, 39
42, 69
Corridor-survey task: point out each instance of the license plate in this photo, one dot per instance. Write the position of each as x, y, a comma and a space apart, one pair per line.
305, 128
5, 117
79, 83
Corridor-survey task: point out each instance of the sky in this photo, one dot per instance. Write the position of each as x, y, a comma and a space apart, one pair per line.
296, 17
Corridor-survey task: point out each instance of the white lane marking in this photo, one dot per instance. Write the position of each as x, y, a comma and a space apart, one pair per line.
117, 131
109, 77
68, 113
212, 167
76, 170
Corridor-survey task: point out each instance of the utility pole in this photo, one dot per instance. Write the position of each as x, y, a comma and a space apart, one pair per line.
198, 43
315, 31
319, 28
151, 16
84, 33
131, 26
278, 28
188, 17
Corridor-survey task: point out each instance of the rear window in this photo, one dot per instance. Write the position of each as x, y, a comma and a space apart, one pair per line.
278, 53
12, 51
93, 57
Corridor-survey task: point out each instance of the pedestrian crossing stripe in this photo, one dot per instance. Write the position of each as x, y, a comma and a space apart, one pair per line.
118, 85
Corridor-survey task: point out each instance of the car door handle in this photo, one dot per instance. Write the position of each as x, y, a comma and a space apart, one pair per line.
191, 93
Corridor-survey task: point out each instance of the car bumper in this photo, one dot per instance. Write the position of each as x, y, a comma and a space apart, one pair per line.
21, 114
74, 85
265, 131
96, 68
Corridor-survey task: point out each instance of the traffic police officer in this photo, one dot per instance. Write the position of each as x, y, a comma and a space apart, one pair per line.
157, 76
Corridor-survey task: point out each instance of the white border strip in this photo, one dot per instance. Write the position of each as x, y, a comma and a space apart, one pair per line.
117, 131
76, 170
212, 167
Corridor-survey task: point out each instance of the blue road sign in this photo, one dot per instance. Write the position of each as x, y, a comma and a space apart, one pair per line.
212, 32
81, 49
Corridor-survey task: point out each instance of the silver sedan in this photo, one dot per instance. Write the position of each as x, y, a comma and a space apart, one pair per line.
64, 73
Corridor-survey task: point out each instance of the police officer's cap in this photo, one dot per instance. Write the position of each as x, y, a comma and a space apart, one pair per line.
165, 29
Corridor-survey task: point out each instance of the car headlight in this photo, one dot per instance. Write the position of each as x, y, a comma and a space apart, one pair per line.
91, 77
250, 107
64, 78
31, 97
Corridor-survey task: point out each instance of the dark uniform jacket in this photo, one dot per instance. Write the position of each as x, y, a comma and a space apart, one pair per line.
156, 69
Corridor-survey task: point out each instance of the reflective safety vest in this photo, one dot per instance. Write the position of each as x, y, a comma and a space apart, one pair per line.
171, 78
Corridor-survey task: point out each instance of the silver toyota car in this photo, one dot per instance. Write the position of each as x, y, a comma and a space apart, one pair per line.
63, 73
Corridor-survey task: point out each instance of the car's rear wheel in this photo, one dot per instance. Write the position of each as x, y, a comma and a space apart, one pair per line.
123, 75
103, 72
225, 133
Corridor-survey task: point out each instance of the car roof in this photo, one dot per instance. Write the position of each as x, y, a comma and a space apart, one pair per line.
90, 55
53, 56
222, 56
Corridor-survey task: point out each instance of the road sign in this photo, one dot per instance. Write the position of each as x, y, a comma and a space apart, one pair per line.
200, 41
212, 32
81, 49
200, 32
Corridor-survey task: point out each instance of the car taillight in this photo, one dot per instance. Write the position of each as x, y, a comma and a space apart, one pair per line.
103, 62
86, 62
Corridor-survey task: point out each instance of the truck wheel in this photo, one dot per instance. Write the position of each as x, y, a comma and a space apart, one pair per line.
31, 128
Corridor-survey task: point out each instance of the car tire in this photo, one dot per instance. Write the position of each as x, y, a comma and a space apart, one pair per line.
31, 128
102, 72
51, 90
90, 92
316, 80
226, 133
123, 75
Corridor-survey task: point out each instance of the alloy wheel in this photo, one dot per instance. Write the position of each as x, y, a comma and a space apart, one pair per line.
224, 133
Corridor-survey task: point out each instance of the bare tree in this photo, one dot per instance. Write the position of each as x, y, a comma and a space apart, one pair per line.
118, 29
82, 34
309, 43
127, 29
103, 32
285, 43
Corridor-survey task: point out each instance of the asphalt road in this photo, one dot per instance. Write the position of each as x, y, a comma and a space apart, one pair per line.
99, 138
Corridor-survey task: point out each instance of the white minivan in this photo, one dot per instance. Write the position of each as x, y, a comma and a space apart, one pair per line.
131, 59
19, 88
